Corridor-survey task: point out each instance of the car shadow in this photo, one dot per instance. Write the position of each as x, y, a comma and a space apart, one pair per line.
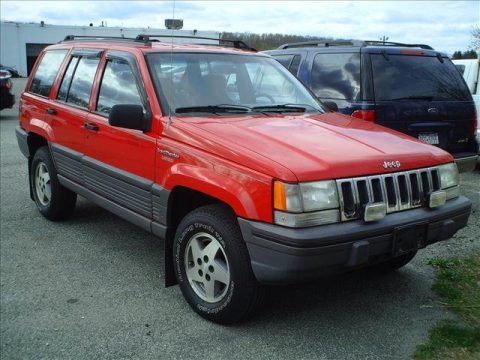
368, 296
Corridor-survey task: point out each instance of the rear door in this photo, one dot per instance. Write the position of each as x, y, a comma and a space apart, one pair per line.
425, 97
70, 108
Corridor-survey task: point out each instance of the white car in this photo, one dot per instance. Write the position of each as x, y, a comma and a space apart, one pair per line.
470, 70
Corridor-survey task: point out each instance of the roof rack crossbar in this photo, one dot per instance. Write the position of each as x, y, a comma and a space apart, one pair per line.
389, 43
237, 44
92, 37
355, 43
321, 43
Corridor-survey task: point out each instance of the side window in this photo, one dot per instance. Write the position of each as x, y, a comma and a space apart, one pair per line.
118, 86
82, 81
336, 76
285, 60
47, 71
294, 65
67, 79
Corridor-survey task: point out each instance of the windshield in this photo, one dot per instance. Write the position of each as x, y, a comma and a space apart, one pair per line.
402, 77
196, 82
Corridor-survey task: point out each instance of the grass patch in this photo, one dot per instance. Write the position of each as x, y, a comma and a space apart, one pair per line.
458, 287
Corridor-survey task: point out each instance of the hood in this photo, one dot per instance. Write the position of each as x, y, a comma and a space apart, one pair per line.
312, 147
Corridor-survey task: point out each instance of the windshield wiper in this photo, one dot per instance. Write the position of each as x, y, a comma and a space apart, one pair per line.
280, 108
419, 97
222, 108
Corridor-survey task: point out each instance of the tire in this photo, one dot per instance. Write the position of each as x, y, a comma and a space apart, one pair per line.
394, 264
54, 201
220, 288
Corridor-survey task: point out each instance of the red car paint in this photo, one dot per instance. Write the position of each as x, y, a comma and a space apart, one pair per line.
233, 159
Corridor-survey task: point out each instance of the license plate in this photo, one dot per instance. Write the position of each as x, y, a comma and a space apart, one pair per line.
409, 238
431, 138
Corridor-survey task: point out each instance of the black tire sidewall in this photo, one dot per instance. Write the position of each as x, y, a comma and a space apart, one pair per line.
41, 156
230, 307
62, 200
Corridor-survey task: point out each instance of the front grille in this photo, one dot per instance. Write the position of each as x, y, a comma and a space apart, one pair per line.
399, 191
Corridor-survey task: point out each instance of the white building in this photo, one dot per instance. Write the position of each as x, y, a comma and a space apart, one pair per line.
20, 43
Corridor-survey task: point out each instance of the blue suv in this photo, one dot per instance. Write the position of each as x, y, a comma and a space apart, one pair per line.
407, 87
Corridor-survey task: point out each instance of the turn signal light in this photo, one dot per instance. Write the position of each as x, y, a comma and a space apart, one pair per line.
279, 196
368, 115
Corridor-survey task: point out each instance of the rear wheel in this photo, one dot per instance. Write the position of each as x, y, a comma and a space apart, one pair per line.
54, 201
213, 267
394, 264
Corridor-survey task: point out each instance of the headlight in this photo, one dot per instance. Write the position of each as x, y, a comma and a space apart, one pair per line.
449, 180
313, 203
448, 175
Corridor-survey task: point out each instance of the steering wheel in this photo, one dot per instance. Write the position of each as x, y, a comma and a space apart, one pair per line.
263, 95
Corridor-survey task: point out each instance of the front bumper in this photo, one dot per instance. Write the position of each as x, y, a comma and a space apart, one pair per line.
282, 255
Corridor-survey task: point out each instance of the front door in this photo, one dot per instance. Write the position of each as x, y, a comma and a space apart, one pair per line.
120, 163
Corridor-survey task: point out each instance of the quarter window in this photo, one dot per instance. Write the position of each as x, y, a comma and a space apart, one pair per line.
67, 79
336, 76
82, 82
118, 86
47, 71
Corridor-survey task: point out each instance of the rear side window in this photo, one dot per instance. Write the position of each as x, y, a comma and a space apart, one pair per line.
78, 81
118, 86
336, 76
294, 65
406, 77
291, 62
47, 71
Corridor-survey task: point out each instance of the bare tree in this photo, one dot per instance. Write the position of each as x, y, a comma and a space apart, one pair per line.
475, 42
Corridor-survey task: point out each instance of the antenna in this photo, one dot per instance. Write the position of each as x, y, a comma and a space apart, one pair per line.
171, 72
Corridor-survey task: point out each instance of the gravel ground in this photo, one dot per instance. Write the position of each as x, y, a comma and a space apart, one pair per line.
92, 287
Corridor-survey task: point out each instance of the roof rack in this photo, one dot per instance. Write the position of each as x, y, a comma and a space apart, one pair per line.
95, 38
389, 43
354, 43
237, 44
148, 39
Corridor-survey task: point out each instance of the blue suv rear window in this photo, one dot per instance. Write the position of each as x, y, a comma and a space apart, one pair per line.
406, 77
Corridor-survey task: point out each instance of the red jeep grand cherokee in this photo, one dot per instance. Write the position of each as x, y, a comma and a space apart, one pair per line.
226, 156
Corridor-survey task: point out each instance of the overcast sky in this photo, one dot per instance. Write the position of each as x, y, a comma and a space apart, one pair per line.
446, 25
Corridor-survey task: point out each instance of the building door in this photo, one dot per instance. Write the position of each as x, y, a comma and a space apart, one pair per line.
32, 51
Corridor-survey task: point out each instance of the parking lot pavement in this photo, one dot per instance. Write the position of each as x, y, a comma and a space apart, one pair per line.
92, 287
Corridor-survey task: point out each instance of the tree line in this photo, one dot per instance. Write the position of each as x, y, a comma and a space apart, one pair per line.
469, 54
270, 41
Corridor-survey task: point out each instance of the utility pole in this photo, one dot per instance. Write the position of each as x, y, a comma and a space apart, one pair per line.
384, 38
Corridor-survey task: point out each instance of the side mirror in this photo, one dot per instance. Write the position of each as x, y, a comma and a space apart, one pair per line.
127, 116
330, 105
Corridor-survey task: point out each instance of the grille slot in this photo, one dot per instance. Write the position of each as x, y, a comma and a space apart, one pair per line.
399, 191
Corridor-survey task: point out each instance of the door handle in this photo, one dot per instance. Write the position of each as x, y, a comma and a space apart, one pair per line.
90, 126
51, 111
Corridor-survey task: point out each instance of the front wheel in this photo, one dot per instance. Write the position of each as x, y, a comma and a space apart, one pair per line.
213, 268
54, 201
